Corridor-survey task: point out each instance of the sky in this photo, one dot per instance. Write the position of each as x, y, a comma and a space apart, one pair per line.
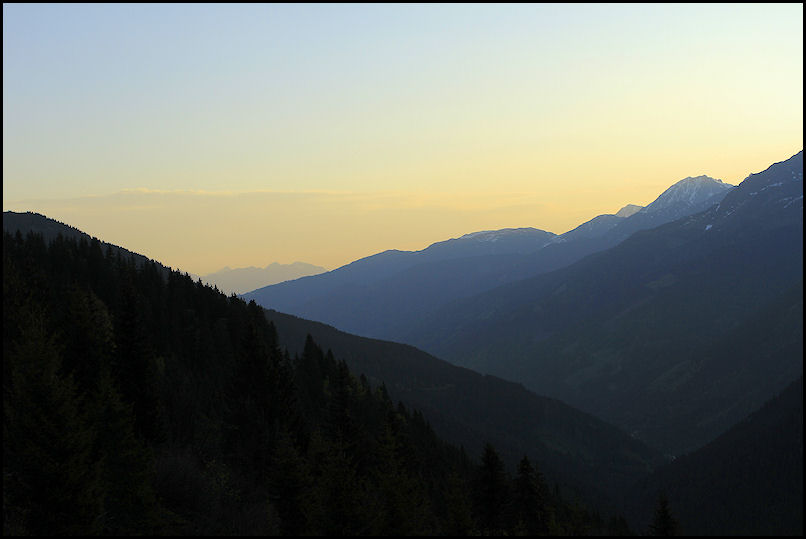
209, 135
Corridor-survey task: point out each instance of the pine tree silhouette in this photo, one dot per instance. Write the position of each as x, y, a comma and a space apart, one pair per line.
663, 524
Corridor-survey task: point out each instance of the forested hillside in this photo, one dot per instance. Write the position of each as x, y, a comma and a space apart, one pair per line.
590, 457
749, 481
136, 401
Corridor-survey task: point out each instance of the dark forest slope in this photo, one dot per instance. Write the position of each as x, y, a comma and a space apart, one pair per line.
749, 481
136, 401
469, 409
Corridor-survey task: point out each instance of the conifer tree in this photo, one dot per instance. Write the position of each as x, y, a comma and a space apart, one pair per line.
342, 507
126, 466
89, 339
339, 422
51, 483
617, 525
310, 377
290, 487
663, 523
134, 367
459, 507
251, 400
492, 493
404, 509
530, 500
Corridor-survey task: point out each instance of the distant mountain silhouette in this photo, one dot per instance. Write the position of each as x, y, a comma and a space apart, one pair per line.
384, 295
646, 334
489, 242
359, 294
240, 280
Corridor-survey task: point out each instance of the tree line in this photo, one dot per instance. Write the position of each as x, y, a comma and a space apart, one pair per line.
137, 401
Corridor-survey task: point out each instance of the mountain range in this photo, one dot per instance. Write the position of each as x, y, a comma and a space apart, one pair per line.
384, 295
646, 334
675, 328
619, 311
240, 280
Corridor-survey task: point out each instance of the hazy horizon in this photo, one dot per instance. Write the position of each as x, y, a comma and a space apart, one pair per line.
206, 136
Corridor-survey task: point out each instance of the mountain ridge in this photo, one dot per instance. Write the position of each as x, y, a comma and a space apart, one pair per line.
359, 296
690, 190
586, 333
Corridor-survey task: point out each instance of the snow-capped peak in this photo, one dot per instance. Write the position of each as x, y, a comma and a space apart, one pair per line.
689, 191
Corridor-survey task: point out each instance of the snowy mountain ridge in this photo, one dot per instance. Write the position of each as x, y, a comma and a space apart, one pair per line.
689, 191
495, 235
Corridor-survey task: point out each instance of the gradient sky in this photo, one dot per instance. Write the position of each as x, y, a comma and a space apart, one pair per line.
213, 135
